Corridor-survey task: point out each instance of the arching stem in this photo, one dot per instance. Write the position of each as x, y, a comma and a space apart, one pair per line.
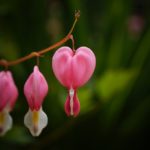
43, 51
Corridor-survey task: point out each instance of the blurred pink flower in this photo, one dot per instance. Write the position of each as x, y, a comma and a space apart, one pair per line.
8, 97
135, 25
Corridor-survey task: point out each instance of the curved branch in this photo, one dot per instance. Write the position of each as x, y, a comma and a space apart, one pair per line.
35, 54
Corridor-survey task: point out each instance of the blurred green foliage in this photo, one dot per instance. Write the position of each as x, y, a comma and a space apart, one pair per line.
115, 103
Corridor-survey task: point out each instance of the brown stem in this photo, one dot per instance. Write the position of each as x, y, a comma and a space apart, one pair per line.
37, 54
73, 43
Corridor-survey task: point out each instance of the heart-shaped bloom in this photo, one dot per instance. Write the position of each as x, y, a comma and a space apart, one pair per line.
8, 97
35, 90
73, 69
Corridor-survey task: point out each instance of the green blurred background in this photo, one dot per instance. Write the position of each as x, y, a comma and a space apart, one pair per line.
115, 103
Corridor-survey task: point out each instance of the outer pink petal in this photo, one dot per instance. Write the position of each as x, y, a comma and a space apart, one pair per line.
3, 90
8, 91
14, 91
83, 65
35, 89
61, 64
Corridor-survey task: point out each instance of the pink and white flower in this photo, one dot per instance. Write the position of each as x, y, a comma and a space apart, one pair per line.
73, 69
35, 90
8, 97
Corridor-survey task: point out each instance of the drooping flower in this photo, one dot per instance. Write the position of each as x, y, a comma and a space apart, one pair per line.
8, 97
35, 90
73, 69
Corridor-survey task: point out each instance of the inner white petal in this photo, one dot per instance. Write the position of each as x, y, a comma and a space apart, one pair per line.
35, 121
71, 94
5, 122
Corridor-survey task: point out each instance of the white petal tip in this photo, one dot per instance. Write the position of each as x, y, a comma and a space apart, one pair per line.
35, 121
5, 122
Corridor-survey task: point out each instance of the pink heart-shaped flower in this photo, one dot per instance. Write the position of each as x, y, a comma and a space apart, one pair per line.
73, 69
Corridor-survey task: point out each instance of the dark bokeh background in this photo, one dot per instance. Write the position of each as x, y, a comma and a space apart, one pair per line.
115, 103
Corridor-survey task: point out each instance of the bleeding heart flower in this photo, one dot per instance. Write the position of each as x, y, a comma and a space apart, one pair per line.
35, 90
8, 97
73, 69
